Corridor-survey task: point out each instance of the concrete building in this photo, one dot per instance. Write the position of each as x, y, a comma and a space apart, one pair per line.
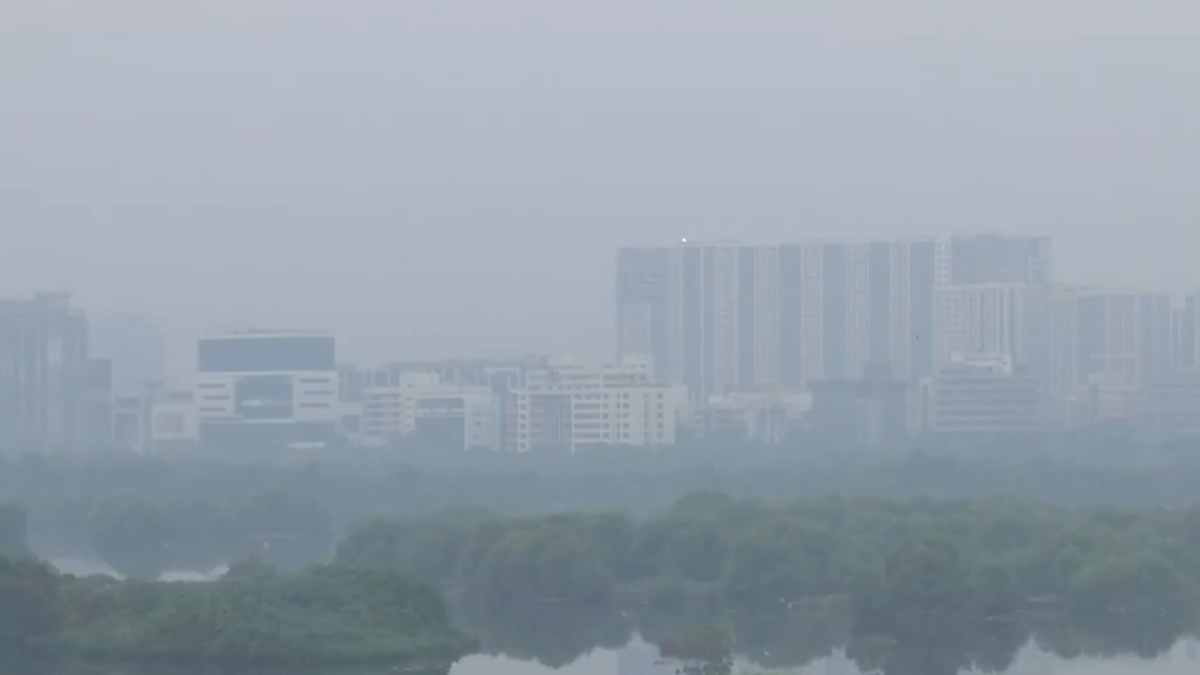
174, 421
721, 317
1108, 343
500, 374
100, 405
997, 259
864, 412
421, 410
981, 396
990, 319
570, 406
1172, 405
44, 376
267, 389
1186, 332
766, 417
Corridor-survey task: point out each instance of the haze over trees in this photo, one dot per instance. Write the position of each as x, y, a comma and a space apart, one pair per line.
893, 566
208, 512
254, 616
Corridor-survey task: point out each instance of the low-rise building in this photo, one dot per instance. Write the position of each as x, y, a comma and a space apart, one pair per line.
987, 395
420, 410
257, 390
174, 422
866, 412
569, 406
766, 417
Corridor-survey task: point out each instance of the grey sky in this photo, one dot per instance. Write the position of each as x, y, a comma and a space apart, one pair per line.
438, 178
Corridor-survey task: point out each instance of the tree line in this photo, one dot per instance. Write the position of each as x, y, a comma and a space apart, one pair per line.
900, 567
146, 515
254, 615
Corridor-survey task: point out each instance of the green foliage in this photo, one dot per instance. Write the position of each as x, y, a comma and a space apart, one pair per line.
254, 615
29, 598
905, 569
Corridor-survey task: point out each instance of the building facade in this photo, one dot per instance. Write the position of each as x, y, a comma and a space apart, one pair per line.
992, 319
1108, 344
268, 389
45, 376
421, 411
998, 259
865, 412
1187, 332
987, 396
565, 407
1172, 406
720, 317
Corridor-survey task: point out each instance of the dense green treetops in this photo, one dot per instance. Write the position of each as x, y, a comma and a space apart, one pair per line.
901, 567
255, 615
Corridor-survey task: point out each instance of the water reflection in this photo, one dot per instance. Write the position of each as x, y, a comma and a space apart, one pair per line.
639, 658
552, 640
556, 640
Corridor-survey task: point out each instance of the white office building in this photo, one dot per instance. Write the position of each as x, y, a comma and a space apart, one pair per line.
267, 389
422, 410
569, 406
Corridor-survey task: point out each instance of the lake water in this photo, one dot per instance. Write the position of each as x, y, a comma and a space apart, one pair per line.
639, 658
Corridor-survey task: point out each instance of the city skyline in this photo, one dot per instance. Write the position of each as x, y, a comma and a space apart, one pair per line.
722, 316
309, 165
173, 351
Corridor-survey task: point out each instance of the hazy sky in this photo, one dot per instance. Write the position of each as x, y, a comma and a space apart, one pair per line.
436, 178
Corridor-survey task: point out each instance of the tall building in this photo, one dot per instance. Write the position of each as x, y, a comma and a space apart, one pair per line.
993, 299
642, 282
1106, 342
135, 347
267, 389
44, 376
998, 259
992, 319
1187, 332
721, 317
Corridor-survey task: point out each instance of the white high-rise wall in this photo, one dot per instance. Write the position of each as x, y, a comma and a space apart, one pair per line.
720, 317
991, 320
568, 406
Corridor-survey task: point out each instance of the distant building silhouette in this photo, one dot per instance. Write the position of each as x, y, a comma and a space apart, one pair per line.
45, 376
866, 412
